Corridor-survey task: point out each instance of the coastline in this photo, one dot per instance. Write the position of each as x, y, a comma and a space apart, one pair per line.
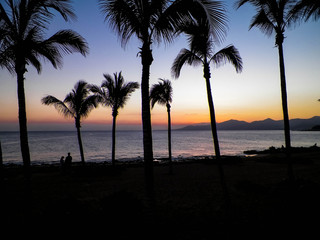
268, 153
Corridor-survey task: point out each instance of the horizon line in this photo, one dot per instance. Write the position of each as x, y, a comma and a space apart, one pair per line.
38, 126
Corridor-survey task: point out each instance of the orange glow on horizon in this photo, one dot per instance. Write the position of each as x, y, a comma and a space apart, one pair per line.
179, 117
183, 119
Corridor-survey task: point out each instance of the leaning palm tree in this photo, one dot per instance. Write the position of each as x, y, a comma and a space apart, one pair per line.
274, 16
153, 21
23, 43
77, 104
161, 93
201, 52
114, 92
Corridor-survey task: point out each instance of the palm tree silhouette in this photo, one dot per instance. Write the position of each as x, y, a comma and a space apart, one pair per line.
77, 104
161, 93
201, 52
23, 42
114, 92
274, 16
151, 22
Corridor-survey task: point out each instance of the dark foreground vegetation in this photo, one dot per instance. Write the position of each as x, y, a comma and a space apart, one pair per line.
98, 199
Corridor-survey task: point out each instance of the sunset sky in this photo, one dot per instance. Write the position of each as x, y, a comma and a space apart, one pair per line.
251, 95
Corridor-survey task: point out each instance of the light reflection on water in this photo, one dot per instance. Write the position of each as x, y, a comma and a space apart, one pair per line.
50, 146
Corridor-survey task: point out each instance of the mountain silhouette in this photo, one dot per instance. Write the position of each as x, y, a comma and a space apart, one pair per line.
267, 124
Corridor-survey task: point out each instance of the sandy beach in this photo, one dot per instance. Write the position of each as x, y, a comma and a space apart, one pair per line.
189, 204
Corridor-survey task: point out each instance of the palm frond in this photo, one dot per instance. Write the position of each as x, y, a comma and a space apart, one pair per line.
199, 37
125, 92
4, 18
262, 21
185, 56
80, 101
123, 16
63, 7
305, 9
7, 48
58, 105
88, 104
228, 54
256, 3
168, 19
179, 12
156, 95
115, 92
34, 61
161, 93
67, 41
7, 57
215, 14
40, 13
108, 85
33, 37
101, 94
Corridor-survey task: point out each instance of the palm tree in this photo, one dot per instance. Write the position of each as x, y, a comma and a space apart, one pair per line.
77, 104
201, 52
274, 16
114, 92
152, 21
22, 43
161, 93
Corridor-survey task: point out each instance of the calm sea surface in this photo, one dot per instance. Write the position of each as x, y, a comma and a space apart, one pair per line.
48, 147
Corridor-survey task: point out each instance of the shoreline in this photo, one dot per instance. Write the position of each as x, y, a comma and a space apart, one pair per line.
270, 152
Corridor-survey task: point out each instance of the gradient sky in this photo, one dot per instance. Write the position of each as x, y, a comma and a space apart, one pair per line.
251, 95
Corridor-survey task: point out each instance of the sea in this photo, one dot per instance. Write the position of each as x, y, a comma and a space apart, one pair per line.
48, 147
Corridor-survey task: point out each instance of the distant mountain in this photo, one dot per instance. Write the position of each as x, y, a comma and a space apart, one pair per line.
267, 124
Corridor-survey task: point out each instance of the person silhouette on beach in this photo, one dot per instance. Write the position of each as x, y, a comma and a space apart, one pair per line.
61, 161
68, 160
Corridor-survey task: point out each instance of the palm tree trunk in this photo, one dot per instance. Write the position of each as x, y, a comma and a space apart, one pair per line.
169, 138
146, 59
78, 126
24, 145
114, 140
214, 132
285, 111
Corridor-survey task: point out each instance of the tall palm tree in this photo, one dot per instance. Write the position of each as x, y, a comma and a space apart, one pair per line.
77, 104
161, 93
201, 52
153, 21
114, 92
274, 16
23, 42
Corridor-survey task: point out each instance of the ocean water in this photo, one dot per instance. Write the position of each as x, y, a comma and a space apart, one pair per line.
48, 147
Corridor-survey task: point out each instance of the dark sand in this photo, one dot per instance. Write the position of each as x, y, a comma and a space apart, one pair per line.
111, 203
